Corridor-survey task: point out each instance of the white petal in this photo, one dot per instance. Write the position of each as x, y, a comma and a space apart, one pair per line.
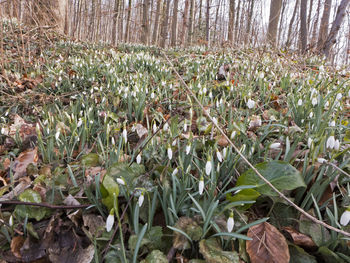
309, 142
170, 153
201, 187
250, 103
345, 218
109, 222
300, 102
275, 145
138, 159
175, 171
208, 167
330, 142
337, 145
120, 181
219, 156
230, 224
188, 149
141, 199
11, 221
321, 160
125, 135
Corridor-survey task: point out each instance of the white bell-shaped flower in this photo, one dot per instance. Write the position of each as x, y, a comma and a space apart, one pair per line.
230, 223
219, 156
201, 185
141, 199
170, 153
208, 167
138, 158
250, 103
330, 142
110, 220
345, 218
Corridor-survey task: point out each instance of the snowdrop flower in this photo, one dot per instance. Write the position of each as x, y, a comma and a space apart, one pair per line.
201, 185
215, 121
314, 101
80, 122
345, 217
138, 158
224, 152
330, 142
125, 135
121, 181
326, 104
233, 134
11, 221
339, 96
337, 145
311, 115
185, 126
219, 156
275, 145
188, 149
332, 123
230, 222
154, 128
175, 172
110, 220
141, 199
321, 160
113, 141
57, 135
174, 143
170, 153
309, 142
166, 126
250, 103
300, 102
208, 167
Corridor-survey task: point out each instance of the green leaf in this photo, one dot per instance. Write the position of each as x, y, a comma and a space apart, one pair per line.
30, 195
212, 252
329, 256
242, 196
298, 255
108, 188
90, 160
281, 174
155, 256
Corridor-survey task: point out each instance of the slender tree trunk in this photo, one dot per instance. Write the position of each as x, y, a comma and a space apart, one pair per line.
309, 16
127, 26
207, 24
190, 23
303, 26
275, 10
237, 20
231, 21
156, 23
184, 22
331, 39
315, 25
216, 31
164, 30
290, 28
174, 24
279, 35
200, 15
249, 22
145, 30
115, 21
324, 24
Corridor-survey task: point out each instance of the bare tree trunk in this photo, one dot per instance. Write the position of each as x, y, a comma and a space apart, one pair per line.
216, 20
315, 25
290, 28
331, 39
303, 26
237, 20
279, 35
145, 31
115, 21
309, 16
231, 21
207, 36
164, 31
249, 22
200, 15
127, 27
190, 23
324, 24
184, 22
156, 22
275, 10
174, 24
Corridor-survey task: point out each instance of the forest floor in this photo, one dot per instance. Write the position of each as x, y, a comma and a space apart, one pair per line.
135, 154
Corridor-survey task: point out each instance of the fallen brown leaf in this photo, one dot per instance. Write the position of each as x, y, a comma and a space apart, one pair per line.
299, 238
16, 245
23, 160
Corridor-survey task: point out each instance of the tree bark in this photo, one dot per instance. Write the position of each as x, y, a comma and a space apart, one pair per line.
315, 25
331, 39
145, 30
290, 28
237, 19
174, 24
275, 10
303, 26
231, 21
156, 23
249, 22
115, 21
190, 23
127, 26
184, 22
324, 24
164, 31
207, 23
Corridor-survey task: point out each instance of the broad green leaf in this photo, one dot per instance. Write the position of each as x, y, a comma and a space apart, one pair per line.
90, 160
241, 196
281, 174
329, 256
108, 188
155, 256
298, 255
213, 253
30, 195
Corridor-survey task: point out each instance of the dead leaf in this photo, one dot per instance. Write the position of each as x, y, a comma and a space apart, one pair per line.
16, 245
299, 238
95, 224
70, 200
268, 245
23, 185
222, 141
141, 131
24, 128
23, 160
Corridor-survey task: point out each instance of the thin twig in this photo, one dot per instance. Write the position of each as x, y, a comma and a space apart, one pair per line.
337, 168
249, 164
14, 202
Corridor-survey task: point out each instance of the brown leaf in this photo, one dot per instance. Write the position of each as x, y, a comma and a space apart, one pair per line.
299, 238
24, 128
222, 141
23, 160
16, 245
268, 245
